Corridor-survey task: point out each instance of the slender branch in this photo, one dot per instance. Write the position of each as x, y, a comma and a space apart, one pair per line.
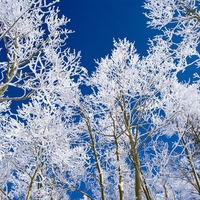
4, 34
101, 179
138, 190
184, 173
30, 8
5, 194
164, 184
18, 98
31, 184
81, 192
192, 165
145, 188
120, 185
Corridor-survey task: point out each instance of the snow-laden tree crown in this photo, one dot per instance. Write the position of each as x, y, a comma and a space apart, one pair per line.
136, 135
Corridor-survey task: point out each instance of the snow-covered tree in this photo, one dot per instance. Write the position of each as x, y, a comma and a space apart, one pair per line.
134, 136
141, 119
40, 151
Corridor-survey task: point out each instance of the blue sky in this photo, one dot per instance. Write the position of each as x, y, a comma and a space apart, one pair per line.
97, 22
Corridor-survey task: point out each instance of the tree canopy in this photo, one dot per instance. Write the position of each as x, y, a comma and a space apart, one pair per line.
135, 134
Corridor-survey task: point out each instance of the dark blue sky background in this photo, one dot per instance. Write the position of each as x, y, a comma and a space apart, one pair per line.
97, 22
